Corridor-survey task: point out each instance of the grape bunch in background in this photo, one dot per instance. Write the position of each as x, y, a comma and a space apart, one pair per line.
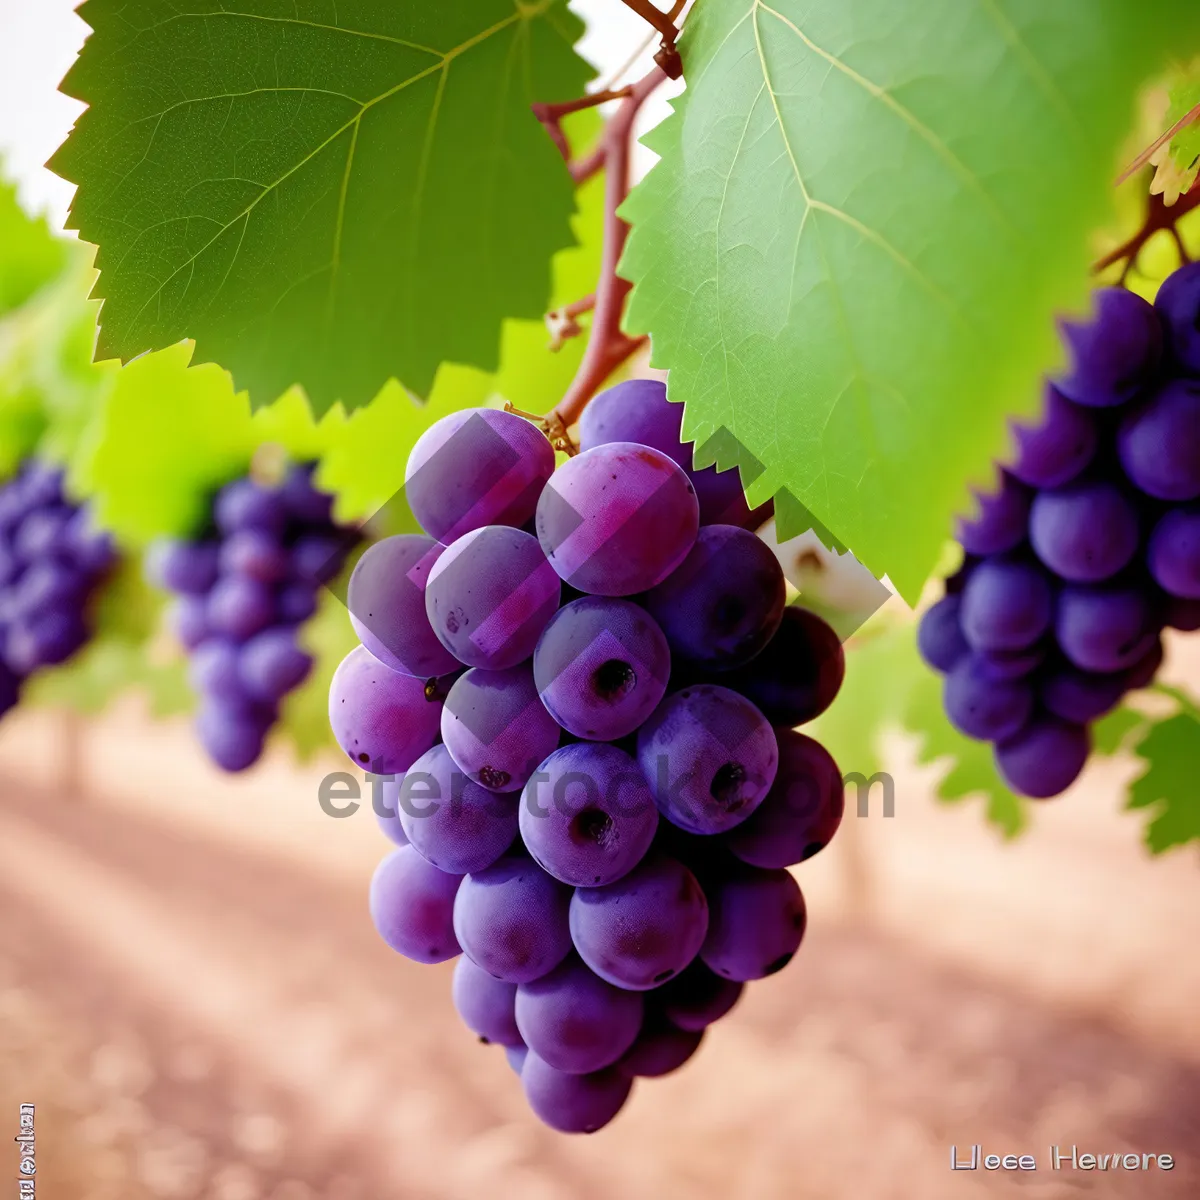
1088, 548
580, 687
243, 590
52, 561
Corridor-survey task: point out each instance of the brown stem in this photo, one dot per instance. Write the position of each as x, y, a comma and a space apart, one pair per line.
551, 116
562, 324
1158, 217
663, 22
608, 347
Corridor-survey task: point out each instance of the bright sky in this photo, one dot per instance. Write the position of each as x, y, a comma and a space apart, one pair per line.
40, 38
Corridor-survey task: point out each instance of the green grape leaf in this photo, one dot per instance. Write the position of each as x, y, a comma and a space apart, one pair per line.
1117, 731
30, 255
1184, 97
1171, 752
318, 193
865, 218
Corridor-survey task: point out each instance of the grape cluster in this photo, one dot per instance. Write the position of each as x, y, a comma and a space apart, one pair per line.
1087, 548
578, 692
243, 589
51, 562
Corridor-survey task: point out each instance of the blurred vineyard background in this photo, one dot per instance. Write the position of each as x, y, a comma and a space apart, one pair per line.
193, 996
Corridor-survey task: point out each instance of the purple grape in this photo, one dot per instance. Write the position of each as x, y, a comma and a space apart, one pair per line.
239, 607
244, 504
383, 720
801, 812
232, 734
496, 728
303, 502
1183, 615
594, 819
695, 999
724, 603
940, 638
1085, 532
10, 688
188, 619
573, 1103
486, 1004
645, 928
477, 467
601, 667
10, 569
982, 707
1173, 554
1159, 442
1057, 448
271, 664
386, 599
213, 670
255, 554
296, 603
1104, 628
710, 757
91, 550
490, 595
318, 557
1002, 521
188, 567
638, 411
1044, 758
1142, 673
617, 520
1006, 605
512, 920
412, 906
575, 1021
516, 1056
1080, 696
1178, 305
457, 825
41, 534
797, 676
1114, 354
49, 584
43, 640
756, 924
1004, 665
40, 484
660, 1049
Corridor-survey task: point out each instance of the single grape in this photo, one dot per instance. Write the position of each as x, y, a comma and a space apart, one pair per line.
318, 557
724, 602
1085, 532
660, 1049
188, 620
490, 595
296, 603
797, 676
255, 554
304, 503
1159, 442
496, 728
573, 1103
40, 484
587, 814
512, 920
486, 1005
43, 640
1178, 305
49, 584
189, 567
42, 533
232, 732
1104, 628
616, 520
386, 599
1007, 605
983, 707
940, 638
1055, 450
245, 504
1002, 521
575, 1021
213, 670
710, 757
1173, 554
756, 923
1115, 353
640, 931
477, 467
412, 906
695, 999
1080, 696
383, 720
601, 667
457, 825
239, 607
801, 812
271, 664
1044, 758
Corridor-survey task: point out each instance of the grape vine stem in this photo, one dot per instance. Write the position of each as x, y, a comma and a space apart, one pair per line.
608, 346
1158, 217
